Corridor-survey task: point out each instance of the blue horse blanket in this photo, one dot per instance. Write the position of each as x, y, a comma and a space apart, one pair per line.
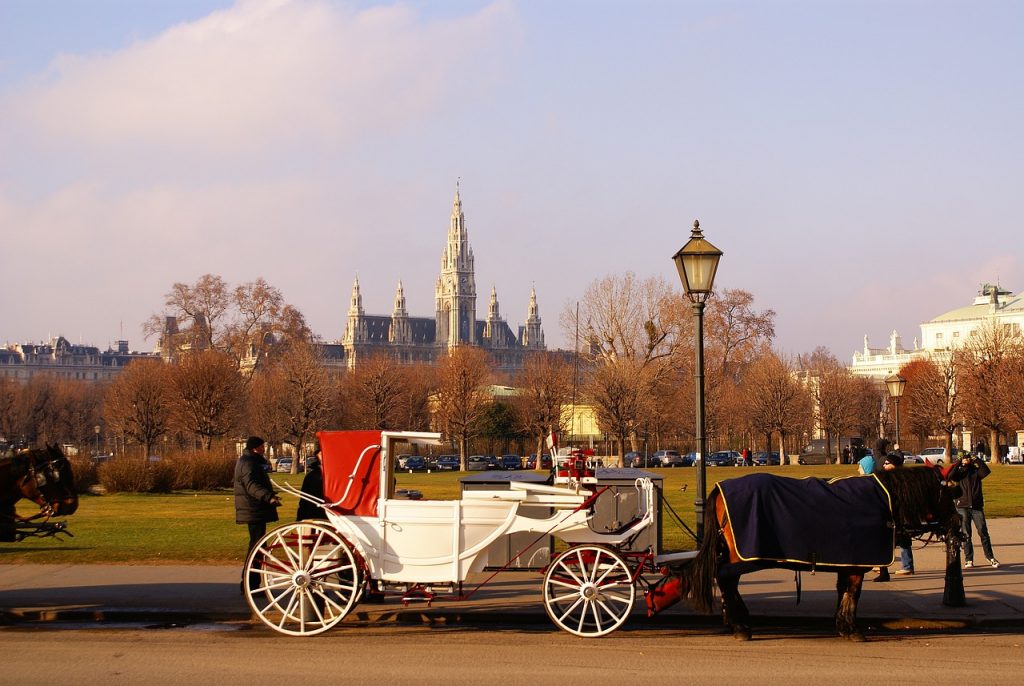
842, 522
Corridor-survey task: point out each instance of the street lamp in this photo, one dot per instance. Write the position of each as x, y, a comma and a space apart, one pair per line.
96, 430
697, 262
896, 384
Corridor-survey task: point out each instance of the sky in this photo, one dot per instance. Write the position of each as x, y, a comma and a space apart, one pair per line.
858, 163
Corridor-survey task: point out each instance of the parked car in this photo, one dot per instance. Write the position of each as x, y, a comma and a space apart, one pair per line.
765, 459
402, 460
668, 458
816, 452
476, 463
545, 461
448, 463
511, 462
1014, 455
284, 464
415, 462
724, 458
493, 462
936, 455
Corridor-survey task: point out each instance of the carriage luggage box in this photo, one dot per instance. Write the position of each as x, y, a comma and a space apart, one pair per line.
613, 509
618, 506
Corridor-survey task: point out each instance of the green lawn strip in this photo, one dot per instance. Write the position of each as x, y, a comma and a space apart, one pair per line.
200, 527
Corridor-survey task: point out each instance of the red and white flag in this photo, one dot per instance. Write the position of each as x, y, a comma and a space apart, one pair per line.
553, 442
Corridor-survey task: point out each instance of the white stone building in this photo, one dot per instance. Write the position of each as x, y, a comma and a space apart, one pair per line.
941, 334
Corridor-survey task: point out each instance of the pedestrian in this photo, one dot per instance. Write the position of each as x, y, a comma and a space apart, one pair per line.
748, 459
894, 460
313, 485
846, 455
971, 506
256, 502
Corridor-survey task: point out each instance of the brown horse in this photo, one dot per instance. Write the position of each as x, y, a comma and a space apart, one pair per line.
913, 501
43, 476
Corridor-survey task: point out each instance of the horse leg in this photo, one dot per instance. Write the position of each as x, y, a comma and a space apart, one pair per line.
848, 588
734, 610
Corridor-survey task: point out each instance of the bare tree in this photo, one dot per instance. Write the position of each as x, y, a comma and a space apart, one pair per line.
778, 402
243, 323
139, 403
306, 403
867, 407
463, 377
619, 394
831, 384
545, 386
990, 360
208, 389
418, 385
373, 394
735, 332
263, 415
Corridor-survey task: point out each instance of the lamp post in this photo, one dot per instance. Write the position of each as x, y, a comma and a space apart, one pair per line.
96, 430
896, 384
697, 262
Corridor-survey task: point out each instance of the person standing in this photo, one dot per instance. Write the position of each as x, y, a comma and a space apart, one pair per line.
971, 506
312, 484
256, 502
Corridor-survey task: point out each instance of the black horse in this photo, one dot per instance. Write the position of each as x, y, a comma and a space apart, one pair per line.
43, 476
916, 501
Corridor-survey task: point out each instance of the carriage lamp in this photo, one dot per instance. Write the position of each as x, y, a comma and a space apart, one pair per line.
896, 384
697, 262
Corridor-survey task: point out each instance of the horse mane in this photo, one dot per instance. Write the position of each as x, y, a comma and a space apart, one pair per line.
914, 492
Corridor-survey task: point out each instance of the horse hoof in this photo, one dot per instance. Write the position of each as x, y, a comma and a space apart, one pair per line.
741, 634
856, 637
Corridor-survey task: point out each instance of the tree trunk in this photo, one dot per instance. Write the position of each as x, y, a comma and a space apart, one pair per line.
993, 446
782, 448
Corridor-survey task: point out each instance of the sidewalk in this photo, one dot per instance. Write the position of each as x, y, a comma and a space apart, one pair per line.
196, 594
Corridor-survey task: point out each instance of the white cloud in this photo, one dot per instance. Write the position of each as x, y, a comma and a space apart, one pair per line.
264, 75
230, 145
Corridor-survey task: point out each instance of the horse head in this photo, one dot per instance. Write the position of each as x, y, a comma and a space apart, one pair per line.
53, 480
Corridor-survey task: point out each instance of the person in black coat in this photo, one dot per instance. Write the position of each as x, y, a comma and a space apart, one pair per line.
256, 502
971, 506
312, 484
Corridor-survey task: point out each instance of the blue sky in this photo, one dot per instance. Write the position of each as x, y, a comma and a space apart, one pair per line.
859, 163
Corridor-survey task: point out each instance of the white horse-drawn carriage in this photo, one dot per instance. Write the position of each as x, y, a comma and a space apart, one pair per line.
304, 578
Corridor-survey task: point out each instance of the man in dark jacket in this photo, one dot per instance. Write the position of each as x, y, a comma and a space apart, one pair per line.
312, 484
971, 506
256, 502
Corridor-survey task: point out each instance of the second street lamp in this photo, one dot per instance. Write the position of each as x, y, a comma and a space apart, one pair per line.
697, 262
896, 384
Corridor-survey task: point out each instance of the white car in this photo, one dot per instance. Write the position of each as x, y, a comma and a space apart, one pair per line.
936, 455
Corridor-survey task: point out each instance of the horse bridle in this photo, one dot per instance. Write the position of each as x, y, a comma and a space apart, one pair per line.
40, 480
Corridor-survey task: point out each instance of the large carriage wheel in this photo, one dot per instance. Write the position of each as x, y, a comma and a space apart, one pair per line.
588, 590
301, 579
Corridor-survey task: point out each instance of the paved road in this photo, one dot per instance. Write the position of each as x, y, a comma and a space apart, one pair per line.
189, 594
381, 655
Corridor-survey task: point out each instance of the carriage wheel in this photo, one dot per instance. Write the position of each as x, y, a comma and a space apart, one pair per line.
302, 579
589, 591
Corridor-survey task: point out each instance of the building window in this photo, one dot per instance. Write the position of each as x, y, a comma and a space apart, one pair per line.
938, 337
956, 334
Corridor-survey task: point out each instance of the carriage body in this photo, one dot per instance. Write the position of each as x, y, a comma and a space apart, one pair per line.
382, 541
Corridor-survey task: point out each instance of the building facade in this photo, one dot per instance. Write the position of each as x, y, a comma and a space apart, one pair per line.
411, 339
943, 333
60, 359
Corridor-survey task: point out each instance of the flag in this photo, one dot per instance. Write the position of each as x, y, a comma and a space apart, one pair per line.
553, 442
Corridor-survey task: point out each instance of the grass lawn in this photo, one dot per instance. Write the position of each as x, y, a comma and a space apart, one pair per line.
199, 527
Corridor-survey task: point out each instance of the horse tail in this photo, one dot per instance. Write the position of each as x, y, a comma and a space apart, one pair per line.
700, 575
